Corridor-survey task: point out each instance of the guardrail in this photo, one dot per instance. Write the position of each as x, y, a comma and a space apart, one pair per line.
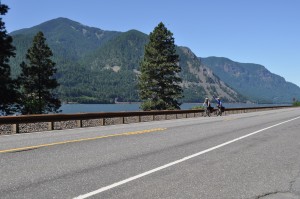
47, 122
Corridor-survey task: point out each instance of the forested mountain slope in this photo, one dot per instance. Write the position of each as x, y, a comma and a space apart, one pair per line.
97, 66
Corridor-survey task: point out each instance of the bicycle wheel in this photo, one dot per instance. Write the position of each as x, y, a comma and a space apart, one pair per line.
208, 112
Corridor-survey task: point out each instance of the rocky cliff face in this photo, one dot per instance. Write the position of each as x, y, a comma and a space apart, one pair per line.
253, 80
210, 83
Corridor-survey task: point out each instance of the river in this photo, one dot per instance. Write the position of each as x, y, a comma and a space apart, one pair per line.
93, 108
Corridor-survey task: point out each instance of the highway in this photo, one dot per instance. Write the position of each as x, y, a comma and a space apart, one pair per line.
241, 156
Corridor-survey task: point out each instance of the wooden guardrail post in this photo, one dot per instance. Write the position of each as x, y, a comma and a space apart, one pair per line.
102, 122
79, 123
15, 128
50, 126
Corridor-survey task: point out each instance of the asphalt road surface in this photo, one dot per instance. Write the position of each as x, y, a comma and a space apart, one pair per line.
251, 156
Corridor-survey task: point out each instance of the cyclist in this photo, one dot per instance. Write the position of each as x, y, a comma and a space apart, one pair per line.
219, 105
207, 106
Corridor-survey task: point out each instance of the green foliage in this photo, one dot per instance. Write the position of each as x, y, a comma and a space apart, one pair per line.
125, 51
83, 86
8, 93
198, 107
159, 81
297, 103
194, 94
22, 43
37, 79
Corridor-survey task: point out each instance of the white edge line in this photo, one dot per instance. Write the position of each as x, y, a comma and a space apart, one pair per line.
175, 162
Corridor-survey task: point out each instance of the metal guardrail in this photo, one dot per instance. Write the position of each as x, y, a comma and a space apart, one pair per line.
15, 121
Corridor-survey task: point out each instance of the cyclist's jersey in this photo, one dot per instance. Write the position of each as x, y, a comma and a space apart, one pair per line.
219, 103
206, 104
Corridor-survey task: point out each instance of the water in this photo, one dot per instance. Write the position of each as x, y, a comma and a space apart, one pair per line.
94, 108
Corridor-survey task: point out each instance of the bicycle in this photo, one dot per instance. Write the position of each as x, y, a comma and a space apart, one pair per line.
207, 111
220, 110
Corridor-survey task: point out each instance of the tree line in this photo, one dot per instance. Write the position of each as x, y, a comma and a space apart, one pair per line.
34, 90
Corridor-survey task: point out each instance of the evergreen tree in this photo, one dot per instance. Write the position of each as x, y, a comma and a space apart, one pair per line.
159, 81
37, 79
8, 93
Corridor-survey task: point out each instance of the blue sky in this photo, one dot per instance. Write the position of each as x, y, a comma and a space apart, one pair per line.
265, 32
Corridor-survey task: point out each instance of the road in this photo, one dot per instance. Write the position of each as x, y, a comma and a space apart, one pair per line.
242, 156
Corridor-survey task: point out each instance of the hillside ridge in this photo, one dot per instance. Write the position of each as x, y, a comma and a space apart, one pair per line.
255, 81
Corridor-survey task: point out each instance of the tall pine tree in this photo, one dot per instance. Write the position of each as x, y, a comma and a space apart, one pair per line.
159, 87
8, 93
37, 79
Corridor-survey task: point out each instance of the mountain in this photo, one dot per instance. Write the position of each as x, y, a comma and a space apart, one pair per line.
68, 40
73, 38
253, 80
97, 66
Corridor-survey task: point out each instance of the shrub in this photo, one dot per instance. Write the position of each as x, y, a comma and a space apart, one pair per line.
197, 107
297, 103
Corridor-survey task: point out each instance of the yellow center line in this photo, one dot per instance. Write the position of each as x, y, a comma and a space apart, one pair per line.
80, 140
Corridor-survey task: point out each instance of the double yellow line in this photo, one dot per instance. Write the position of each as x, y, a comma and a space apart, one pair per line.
80, 140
